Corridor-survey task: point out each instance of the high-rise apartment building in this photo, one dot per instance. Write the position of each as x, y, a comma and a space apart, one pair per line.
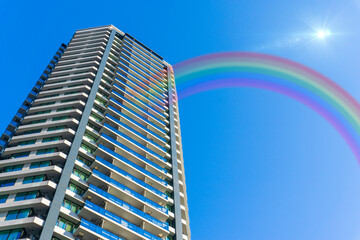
95, 151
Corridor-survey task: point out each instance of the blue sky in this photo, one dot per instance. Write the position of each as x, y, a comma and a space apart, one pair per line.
258, 165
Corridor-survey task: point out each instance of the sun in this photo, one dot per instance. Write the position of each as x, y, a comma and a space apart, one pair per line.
323, 33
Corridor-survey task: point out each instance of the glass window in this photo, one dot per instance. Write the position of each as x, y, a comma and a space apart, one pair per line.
42, 112
71, 206
66, 225
67, 100
56, 128
26, 195
18, 214
21, 154
60, 118
34, 179
38, 121
3, 199
64, 109
80, 174
45, 104
7, 183
83, 160
45, 151
69, 93
14, 168
51, 139
40, 164
32, 131
72, 187
13, 234
87, 148
23, 143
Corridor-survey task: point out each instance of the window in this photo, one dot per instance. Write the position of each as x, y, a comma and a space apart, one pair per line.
96, 117
12, 234
50, 96
66, 225
45, 151
3, 199
7, 183
48, 103
13, 168
92, 138
87, 148
40, 164
68, 93
64, 109
60, 118
42, 112
38, 121
80, 174
99, 109
76, 85
169, 194
51, 139
32, 131
33, 179
72, 187
55, 88
26, 195
101, 101
23, 143
83, 160
94, 127
55, 128
71, 206
18, 214
68, 100
21, 154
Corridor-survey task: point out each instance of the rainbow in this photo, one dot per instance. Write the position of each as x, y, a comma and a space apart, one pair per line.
254, 70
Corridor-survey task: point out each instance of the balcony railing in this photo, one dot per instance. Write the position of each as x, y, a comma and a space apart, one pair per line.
99, 230
135, 142
132, 209
147, 173
129, 176
135, 132
135, 123
118, 144
129, 191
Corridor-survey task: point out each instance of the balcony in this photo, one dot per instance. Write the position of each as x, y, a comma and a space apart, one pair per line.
139, 106
138, 118
69, 123
84, 81
133, 169
126, 211
50, 171
134, 145
122, 83
130, 154
142, 139
40, 205
126, 194
74, 113
138, 127
117, 225
47, 187
61, 145
161, 114
56, 158
90, 231
33, 223
128, 180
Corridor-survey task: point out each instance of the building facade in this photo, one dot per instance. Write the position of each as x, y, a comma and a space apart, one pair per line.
95, 150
